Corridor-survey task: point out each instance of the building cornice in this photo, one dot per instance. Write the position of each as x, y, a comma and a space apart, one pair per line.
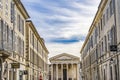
41, 40
22, 9
66, 62
96, 19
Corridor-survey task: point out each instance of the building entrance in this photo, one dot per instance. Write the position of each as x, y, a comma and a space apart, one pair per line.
64, 74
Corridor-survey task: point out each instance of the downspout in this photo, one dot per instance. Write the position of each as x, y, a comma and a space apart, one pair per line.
97, 63
115, 18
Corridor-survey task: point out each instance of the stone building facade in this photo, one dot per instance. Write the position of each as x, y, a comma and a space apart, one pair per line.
37, 54
64, 67
14, 60
100, 52
12, 39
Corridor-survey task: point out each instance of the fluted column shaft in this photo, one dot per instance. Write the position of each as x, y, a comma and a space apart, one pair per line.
51, 71
67, 70
61, 71
56, 71
78, 71
72, 71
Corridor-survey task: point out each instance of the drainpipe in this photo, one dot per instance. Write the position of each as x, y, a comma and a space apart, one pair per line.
97, 63
115, 18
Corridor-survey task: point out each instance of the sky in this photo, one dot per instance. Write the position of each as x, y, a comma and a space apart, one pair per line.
63, 24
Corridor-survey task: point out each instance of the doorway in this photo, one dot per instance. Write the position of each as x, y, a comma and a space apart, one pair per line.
0, 68
64, 74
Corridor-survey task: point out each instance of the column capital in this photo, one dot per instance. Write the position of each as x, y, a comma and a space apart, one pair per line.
51, 64
67, 63
57, 64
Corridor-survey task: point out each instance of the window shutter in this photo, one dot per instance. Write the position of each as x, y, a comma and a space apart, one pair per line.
4, 35
12, 12
0, 34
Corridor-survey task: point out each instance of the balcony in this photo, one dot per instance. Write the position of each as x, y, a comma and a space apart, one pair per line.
5, 50
4, 53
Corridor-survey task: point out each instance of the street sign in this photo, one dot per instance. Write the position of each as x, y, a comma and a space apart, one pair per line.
15, 65
113, 47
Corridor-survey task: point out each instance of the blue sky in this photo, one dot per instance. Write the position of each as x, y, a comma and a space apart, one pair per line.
63, 24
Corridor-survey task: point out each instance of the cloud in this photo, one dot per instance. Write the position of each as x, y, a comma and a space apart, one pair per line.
62, 23
73, 39
73, 48
65, 41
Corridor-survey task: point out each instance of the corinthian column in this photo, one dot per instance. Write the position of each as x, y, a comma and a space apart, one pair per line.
72, 71
56, 71
78, 71
51, 71
67, 70
61, 71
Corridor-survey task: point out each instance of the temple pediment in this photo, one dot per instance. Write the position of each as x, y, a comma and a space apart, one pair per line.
64, 56
66, 65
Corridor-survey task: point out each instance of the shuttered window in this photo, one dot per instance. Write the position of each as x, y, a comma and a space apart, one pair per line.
4, 35
12, 12
0, 34
0, 4
18, 22
111, 7
22, 26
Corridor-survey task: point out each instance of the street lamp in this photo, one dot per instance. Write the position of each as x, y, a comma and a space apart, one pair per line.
111, 61
114, 48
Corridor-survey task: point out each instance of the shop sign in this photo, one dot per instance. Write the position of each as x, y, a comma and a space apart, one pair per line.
15, 65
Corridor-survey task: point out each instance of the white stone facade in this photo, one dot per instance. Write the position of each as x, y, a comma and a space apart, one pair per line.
15, 47
98, 61
64, 67
12, 39
37, 54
